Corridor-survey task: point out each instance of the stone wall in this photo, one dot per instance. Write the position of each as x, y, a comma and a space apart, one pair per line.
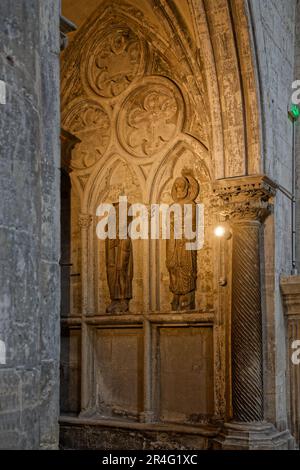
273, 23
29, 223
297, 77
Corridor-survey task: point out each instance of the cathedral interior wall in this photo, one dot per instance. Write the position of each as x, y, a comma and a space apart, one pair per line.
29, 224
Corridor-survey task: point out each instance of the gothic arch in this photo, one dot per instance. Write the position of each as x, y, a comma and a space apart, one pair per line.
159, 88
219, 71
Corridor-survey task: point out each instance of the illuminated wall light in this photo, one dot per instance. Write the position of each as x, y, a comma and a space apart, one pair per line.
219, 231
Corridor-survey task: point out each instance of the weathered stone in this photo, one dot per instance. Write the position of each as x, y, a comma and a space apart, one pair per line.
148, 90
29, 223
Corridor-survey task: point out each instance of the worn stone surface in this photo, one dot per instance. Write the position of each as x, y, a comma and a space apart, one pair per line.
225, 117
104, 437
29, 223
273, 24
221, 112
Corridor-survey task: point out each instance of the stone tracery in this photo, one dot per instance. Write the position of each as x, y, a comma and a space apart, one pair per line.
89, 123
158, 100
114, 63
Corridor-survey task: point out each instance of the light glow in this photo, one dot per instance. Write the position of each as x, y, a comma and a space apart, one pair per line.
219, 231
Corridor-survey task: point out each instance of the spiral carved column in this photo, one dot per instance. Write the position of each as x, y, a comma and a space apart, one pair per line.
246, 332
245, 203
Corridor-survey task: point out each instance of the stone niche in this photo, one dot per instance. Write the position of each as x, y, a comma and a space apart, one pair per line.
140, 125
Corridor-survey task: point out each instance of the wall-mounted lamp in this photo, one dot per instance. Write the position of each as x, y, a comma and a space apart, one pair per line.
219, 231
222, 231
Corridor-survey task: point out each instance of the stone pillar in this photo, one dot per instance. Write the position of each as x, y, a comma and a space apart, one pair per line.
85, 221
290, 288
246, 202
246, 320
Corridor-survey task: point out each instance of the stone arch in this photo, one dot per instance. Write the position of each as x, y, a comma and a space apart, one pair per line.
115, 177
199, 50
191, 155
164, 172
101, 174
219, 68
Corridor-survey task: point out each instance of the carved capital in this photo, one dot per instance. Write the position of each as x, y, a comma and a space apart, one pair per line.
244, 199
85, 220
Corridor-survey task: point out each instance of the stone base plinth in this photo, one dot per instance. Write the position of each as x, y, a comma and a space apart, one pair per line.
253, 436
103, 434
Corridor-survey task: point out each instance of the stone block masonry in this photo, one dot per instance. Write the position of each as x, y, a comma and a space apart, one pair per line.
29, 223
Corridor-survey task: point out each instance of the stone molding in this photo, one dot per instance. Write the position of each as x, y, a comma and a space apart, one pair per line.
290, 288
68, 142
248, 198
66, 26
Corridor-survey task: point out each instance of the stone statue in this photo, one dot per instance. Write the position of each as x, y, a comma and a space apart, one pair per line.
119, 269
182, 263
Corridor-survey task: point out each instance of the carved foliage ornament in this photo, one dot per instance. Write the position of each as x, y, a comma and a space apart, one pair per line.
151, 117
90, 123
248, 198
114, 62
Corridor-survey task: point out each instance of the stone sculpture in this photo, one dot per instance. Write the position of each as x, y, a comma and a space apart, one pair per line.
182, 263
119, 270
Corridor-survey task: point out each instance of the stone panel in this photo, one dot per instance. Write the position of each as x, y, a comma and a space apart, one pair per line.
118, 372
186, 374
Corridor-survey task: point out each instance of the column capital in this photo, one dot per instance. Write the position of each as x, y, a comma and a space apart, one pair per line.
85, 220
247, 198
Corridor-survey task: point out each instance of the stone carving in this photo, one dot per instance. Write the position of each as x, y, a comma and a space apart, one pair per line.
182, 263
115, 63
152, 115
85, 220
89, 123
247, 393
248, 198
247, 202
119, 270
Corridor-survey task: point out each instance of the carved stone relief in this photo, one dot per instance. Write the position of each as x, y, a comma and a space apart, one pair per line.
179, 162
143, 111
119, 270
115, 62
182, 263
90, 123
114, 293
150, 118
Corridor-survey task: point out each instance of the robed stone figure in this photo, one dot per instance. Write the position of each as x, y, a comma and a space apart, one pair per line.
119, 269
181, 262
